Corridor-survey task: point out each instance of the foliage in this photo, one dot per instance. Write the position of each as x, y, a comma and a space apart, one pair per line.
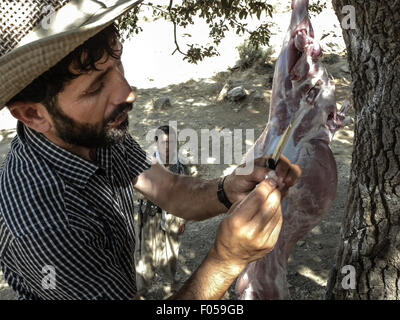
317, 7
249, 54
129, 23
220, 15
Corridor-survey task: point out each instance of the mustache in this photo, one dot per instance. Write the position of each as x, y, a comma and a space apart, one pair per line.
123, 107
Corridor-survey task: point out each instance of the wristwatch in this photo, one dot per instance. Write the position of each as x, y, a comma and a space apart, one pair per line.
221, 193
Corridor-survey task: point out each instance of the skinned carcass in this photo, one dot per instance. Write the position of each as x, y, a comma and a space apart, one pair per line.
302, 89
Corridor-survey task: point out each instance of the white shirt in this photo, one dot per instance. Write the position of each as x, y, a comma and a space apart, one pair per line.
164, 213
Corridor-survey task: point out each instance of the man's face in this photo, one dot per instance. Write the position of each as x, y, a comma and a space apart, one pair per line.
92, 110
166, 145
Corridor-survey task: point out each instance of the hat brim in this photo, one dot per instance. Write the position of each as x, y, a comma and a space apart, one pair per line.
21, 66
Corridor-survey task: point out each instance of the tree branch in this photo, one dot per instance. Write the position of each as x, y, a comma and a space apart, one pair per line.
176, 41
170, 5
174, 22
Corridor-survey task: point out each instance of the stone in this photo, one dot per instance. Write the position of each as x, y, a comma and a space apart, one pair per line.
257, 96
236, 94
162, 103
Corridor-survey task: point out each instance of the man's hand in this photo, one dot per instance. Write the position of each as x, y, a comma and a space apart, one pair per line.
252, 228
248, 233
237, 187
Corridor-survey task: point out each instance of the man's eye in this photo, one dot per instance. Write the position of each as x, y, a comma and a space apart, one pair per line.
98, 90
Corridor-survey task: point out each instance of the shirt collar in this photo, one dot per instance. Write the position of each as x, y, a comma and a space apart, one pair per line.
67, 164
158, 158
104, 160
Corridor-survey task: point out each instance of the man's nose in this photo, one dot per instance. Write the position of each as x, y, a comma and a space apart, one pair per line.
122, 89
131, 97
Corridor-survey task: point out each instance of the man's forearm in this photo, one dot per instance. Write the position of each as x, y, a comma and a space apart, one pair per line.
211, 280
195, 199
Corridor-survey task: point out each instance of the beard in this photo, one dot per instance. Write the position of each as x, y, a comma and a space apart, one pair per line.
91, 136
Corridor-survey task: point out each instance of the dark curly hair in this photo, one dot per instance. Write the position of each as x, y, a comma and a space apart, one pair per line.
46, 87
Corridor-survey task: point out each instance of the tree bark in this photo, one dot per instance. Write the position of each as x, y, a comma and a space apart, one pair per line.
370, 237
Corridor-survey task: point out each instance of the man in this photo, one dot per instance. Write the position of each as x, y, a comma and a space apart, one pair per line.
66, 187
159, 231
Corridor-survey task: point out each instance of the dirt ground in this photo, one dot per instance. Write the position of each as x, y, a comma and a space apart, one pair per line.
194, 106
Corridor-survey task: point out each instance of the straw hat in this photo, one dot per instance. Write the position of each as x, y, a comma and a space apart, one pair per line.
37, 34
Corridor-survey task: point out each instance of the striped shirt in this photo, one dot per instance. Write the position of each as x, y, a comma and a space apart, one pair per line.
67, 224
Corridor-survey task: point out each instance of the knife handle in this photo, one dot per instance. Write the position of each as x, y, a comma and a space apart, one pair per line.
272, 164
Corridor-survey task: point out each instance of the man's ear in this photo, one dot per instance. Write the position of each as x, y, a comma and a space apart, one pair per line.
33, 115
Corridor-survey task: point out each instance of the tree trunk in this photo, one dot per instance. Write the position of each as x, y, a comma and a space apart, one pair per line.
370, 237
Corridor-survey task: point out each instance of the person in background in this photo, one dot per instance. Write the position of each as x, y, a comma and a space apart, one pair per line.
159, 231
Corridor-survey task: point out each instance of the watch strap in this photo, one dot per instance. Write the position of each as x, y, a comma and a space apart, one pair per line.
222, 197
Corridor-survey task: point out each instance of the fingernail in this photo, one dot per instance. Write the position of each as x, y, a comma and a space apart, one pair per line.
272, 182
272, 175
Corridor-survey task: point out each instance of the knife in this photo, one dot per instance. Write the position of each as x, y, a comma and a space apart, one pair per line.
293, 124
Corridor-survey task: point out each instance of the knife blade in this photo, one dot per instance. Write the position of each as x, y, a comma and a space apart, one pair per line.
283, 141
